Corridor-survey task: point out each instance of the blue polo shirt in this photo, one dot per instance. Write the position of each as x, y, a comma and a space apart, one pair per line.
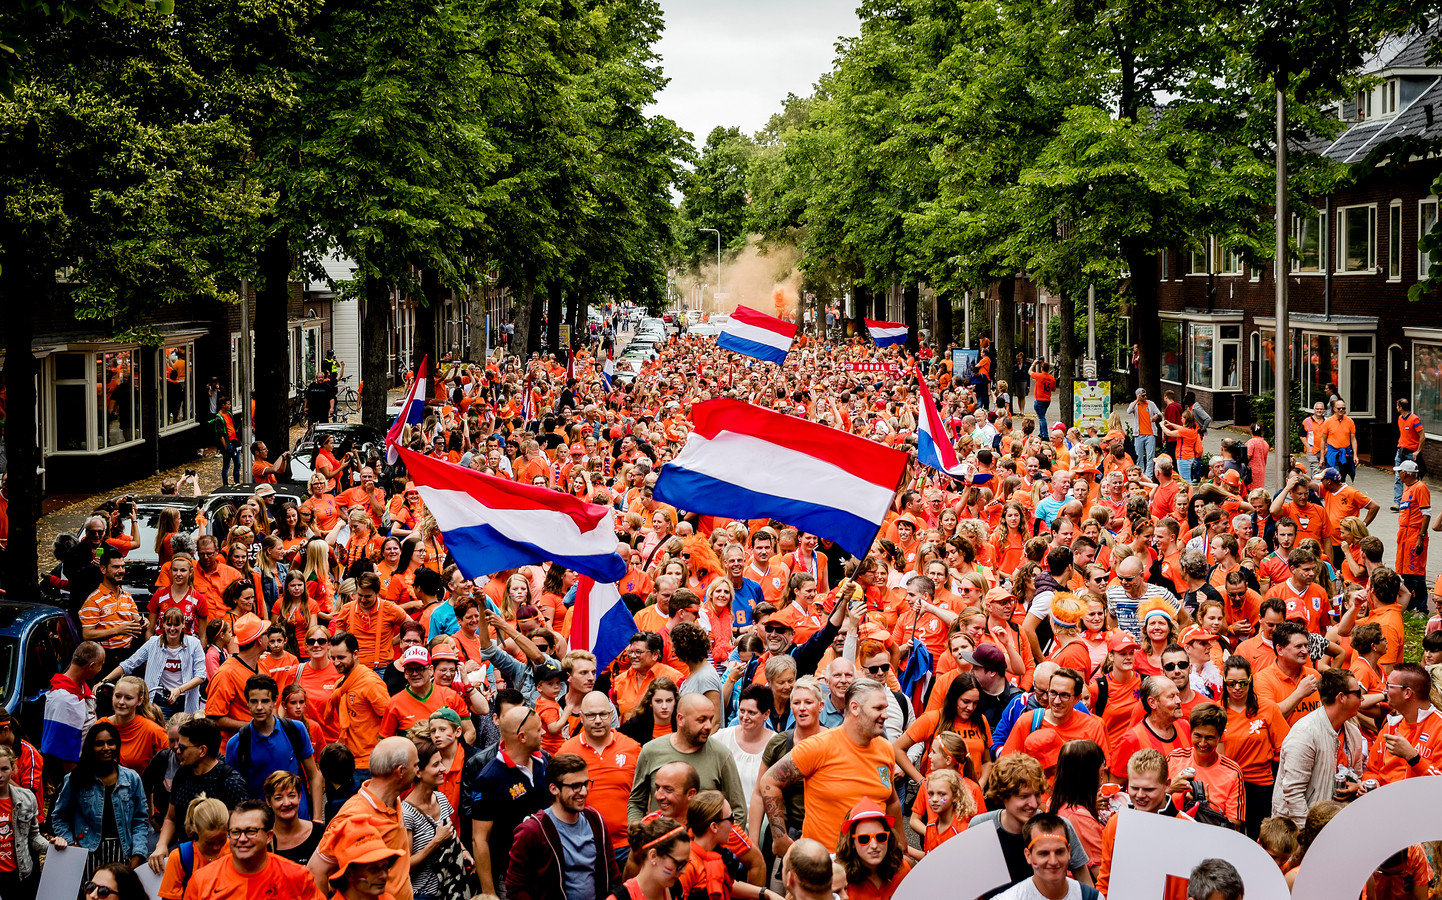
743, 604
272, 753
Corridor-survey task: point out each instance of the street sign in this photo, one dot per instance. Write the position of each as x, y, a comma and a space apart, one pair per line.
889, 368
1091, 403
565, 335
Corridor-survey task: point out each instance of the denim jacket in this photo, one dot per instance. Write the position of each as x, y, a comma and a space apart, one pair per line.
78, 815
152, 657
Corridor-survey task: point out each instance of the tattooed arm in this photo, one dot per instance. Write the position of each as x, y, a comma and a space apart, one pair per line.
781, 775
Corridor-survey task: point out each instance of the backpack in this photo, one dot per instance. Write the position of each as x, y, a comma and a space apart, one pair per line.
187, 861
292, 733
1101, 704
217, 428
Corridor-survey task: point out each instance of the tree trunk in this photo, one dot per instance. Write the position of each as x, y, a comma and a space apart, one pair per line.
374, 356
910, 293
24, 290
423, 341
521, 342
1005, 337
1066, 359
533, 337
1146, 325
943, 335
272, 363
476, 323
554, 315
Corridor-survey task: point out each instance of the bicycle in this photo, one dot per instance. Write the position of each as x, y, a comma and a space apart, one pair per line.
347, 400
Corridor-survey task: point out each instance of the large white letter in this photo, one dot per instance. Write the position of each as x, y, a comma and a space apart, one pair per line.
1151, 847
1370, 829
967, 865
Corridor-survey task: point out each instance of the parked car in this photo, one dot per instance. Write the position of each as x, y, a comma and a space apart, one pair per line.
346, 435
142, 565
36, 642
220, 504
704, 329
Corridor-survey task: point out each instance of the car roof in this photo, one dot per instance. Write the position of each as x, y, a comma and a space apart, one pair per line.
16, 615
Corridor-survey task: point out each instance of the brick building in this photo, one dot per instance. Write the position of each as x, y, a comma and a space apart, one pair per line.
1353, 331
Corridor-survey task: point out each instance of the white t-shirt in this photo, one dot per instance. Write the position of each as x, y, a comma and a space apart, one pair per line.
1026, 890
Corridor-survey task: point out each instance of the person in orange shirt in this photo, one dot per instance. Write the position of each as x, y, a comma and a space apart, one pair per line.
207, 822
772, 575
358, 703
1258, 650
1293, 502
318, 677
1385, 588
1041, 733
1292, 682
629, 685
212, 576
921, 617
1407, 744
375, 623
251, 870
611, 760
1304, 601
371, 823
141, 737
1412, 518
1147, 783
1253, 739
1368, 645
1339, 501
1221, 777
1339, 433
321, 504
225, 700
798, 607
367, 496
421, 697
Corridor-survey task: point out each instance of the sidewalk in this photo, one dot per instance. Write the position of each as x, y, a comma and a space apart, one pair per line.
1375, 482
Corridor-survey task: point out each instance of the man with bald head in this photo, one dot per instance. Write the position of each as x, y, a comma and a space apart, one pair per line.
509, 788
1131, 589
611, 760
807, 871
377, 806
691, 744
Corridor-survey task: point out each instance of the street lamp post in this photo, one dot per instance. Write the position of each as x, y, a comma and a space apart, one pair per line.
718, 265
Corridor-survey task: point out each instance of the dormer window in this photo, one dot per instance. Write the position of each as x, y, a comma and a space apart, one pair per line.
1364, 105
1389, 97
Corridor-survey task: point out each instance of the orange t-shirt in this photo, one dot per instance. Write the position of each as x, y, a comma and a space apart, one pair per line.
1140, 736
549, 711
282, 670
140, 740
1273, 684
848, 773
1223, 781
772, 582
936, 835
627, 687
374, 631
1116, 716
405, 708
612, 771
1044, 384
1253, 742
357, 706
1311, 520
1389, 618
1309, 606
1424, 735
977, 737
171, 887
226, 693
319, 684
279, 878
1078, 726
360, 814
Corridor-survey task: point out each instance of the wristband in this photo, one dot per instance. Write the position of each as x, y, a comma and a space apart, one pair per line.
1416, 758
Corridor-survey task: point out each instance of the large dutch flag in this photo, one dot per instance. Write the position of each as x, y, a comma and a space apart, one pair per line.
744, 462
608, 371
69, 713
885, 334
492, 523
413, 411
933, 443
756, 334
600, 622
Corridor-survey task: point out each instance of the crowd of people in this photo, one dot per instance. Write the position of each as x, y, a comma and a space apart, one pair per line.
318, 701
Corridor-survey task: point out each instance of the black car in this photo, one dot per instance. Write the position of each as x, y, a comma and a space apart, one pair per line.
220, 504
142, 565
347, 435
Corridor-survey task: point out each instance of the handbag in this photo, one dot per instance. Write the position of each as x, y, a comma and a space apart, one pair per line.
456, 878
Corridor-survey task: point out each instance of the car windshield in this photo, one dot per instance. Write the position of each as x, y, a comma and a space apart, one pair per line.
149, 519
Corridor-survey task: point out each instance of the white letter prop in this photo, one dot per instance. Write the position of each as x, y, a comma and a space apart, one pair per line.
967, 865
1151, 847
1370, 829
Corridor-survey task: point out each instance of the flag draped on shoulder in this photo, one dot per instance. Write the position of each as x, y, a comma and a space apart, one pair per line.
492, 523
885, 334
745, 462
413, 411
757, 335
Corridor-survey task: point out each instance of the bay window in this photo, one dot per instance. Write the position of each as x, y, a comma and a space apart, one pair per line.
1171, 352
97, 399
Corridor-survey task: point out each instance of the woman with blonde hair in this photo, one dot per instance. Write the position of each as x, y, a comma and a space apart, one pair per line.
318, 583
207, 822
1351, 530
166, 525
142, 727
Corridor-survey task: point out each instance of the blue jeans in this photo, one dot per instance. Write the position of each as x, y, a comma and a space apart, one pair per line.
1402, 456
1041, 406
230, 455
1146, 445
1185, 468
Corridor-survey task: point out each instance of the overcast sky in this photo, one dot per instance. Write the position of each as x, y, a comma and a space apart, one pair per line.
732, 62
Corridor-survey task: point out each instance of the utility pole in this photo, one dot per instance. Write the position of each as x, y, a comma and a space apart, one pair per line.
1281, 408
242, 401
717, 298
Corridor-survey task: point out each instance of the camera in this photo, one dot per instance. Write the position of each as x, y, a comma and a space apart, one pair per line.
126, 506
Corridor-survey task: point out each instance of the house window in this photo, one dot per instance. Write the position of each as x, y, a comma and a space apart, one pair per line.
1427, 385
1266, 362
1123, 356
100, 394
1360, 361
1307, 233
1394, 241
1364, 105
1165, 259
1197, 256
1427, 217
178, 384
1229, 342
1357, 236
1199, 353
1389, 97
1228, 261
1340, 365
1320, 374
1172, 352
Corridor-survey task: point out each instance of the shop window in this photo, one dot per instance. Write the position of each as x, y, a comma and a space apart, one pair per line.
177, 364
1427, 385
1172, 352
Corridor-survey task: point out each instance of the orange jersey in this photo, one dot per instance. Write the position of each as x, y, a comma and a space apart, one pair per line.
1273, 684
280, 877
1424, 735
850, 773
612, 770
1253, 742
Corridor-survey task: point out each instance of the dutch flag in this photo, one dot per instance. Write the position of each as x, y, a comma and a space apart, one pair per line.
886, 334
600, 622
744, 462
413, 411
757, 335
492, 523
933, 441
608, 371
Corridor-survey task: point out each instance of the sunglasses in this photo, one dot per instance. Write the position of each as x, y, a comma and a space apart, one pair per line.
1238, 682
881, 837
98, 890
879, 670
315, 642
775, 629
1173, 666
